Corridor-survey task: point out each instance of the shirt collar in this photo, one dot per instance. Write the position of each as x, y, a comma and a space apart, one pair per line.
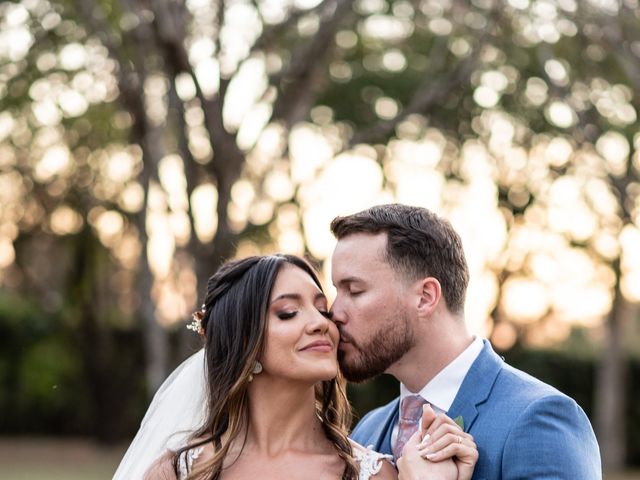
443, 388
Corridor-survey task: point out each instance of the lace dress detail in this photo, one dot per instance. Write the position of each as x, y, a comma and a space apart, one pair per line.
370, 461
185, 462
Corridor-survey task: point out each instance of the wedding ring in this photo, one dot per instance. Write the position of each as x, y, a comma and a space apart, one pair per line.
458, 439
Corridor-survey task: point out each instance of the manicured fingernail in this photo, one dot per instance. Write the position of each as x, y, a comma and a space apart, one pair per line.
431, 455
425, 439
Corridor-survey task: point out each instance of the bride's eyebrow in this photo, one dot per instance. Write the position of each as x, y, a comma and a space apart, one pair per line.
297, 296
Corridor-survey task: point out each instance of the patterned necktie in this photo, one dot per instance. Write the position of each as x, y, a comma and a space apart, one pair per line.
410, 415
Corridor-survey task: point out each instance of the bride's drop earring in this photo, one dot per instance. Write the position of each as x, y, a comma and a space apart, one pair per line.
257, 368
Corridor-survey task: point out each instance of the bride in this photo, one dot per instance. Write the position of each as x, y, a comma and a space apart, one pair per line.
265, 398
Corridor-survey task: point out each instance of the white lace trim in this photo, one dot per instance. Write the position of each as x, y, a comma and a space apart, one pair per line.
186, 460
370, 461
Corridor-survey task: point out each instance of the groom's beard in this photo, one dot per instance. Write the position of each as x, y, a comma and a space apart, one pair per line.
386, 347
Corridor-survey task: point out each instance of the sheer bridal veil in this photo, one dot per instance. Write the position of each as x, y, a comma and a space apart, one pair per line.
177, 409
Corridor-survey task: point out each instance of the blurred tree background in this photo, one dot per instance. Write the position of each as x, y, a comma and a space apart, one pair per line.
144, 142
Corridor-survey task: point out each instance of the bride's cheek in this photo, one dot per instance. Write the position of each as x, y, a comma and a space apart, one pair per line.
334, 332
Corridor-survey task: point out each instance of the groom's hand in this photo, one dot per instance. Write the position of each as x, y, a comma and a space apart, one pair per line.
412, 466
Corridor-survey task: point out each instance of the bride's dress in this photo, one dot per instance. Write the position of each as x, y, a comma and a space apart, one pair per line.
176, 411
369, 461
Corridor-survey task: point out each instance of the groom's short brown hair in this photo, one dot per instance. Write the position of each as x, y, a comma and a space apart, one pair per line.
419, 244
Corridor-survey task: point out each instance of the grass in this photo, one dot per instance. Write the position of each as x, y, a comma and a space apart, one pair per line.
77, 459
628, 475
56, 459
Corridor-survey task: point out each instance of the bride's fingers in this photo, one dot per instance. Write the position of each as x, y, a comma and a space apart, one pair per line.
428, 417
440, 441
444, 437
467, 454
445, 442
441, 430
442, 419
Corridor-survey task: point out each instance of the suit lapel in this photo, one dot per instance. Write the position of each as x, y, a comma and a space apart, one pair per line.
477, 385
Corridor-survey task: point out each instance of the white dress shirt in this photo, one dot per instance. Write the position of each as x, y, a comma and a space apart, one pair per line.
443, 388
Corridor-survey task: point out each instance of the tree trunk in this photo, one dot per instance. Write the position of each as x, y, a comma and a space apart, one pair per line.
610, 394
155, 337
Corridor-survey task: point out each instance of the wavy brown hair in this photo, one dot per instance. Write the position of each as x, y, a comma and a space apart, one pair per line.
234, 319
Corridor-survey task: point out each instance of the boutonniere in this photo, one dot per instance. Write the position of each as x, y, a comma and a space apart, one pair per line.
460, 421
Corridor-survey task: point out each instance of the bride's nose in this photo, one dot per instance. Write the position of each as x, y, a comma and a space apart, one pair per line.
318, 323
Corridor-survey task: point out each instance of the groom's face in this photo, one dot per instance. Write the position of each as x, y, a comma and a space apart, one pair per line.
371, 308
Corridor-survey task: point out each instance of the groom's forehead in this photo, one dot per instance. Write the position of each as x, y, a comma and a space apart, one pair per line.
361, 245
358, 265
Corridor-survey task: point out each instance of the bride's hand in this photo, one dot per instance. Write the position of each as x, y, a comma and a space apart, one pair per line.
444, 439
412, 466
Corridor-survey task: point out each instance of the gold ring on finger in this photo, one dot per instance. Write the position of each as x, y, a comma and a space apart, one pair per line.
458, 439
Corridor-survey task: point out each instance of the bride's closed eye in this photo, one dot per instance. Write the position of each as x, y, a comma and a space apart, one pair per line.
286, 315
289, 315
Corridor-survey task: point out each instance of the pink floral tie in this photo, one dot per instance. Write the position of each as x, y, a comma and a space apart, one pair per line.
410, 414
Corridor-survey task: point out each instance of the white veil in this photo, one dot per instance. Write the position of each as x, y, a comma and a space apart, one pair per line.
177, 409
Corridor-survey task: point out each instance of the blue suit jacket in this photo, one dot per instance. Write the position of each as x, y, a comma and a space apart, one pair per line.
524, 428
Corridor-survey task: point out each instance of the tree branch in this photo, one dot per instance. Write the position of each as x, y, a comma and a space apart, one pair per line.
428, 95
270, 33
301, 82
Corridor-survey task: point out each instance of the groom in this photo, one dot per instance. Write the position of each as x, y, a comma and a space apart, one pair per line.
401, 278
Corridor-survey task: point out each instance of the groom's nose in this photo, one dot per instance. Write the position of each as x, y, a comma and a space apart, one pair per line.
338, 311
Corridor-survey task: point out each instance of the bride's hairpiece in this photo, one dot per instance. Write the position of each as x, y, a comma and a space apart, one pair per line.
196, 321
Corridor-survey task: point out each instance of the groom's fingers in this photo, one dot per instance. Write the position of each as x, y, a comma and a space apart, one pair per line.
414, 440
412, 444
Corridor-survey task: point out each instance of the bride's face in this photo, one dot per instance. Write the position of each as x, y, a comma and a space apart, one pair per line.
301, 341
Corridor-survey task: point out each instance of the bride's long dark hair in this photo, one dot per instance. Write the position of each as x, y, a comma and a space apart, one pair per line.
234, 318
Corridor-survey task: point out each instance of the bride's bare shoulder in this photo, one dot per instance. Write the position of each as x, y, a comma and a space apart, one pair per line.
387, 471
162, 469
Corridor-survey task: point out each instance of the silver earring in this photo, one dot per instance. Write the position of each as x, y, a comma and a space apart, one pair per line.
257, 368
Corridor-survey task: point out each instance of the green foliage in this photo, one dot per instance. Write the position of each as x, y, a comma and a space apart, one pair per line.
459, 421
46, 370
369, 395
46, 385
41, 388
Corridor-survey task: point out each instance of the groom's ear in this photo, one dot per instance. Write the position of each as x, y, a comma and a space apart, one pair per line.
430, 293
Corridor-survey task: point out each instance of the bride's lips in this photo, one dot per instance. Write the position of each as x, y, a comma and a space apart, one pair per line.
318, 346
